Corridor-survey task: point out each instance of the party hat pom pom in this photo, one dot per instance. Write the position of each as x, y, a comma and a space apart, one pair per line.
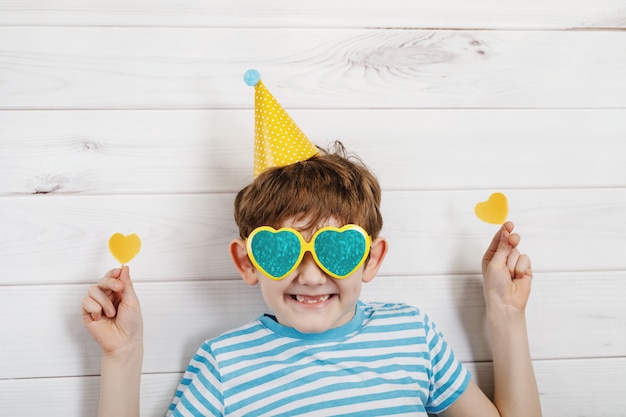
252, 77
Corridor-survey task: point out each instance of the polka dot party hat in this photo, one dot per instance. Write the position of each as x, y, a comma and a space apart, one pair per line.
278, 141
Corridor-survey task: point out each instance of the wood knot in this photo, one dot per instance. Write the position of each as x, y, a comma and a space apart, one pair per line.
50, 184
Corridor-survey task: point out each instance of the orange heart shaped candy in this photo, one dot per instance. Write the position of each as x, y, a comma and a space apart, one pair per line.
494, 211
124, 248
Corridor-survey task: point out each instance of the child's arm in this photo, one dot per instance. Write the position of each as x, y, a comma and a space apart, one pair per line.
112, 315
507, 275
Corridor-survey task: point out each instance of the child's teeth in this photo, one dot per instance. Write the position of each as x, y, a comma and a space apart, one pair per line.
312, 300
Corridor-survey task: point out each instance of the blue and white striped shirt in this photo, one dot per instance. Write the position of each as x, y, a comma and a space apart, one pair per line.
388, 360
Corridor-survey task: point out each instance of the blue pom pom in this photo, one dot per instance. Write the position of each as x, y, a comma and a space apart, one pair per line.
252, 77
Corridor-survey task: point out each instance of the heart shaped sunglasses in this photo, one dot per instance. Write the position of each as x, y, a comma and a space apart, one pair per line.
337, 251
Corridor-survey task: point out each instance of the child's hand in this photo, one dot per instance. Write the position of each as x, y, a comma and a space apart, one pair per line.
506, 273
111, 313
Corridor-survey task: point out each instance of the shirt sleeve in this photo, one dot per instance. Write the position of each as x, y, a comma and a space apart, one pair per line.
200, 390
448, 378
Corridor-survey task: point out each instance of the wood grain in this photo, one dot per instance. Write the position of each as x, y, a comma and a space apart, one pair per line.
49, 340
132, 117
183, 68
62, 239
454, 14
78, 396
210, 151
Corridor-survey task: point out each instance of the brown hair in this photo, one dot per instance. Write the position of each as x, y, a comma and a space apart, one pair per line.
329, 184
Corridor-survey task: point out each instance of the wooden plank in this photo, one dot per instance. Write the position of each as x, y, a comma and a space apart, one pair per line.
79, 396
148, 152
54, 342
555, 312
156, 68
325, 13
565, 388
62, 239
565, 385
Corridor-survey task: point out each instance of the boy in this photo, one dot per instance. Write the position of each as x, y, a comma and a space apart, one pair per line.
309, 237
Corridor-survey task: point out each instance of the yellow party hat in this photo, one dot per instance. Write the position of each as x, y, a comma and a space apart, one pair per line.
278, 141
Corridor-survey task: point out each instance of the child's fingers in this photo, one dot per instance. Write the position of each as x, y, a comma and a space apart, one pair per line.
492, 249
92, 310
523, 268
503, 250
514, 239
108, 285
499, 247
102, 294
113, 273
128, 293
124, 277
511, 261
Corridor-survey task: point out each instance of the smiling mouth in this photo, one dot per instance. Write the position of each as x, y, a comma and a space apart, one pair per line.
308, 299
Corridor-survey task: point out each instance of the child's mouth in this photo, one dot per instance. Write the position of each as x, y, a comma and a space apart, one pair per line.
311, 299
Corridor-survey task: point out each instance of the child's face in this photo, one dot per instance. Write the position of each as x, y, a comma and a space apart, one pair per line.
308, 299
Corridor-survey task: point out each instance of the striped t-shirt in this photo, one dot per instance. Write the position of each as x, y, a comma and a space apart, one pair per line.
388, 360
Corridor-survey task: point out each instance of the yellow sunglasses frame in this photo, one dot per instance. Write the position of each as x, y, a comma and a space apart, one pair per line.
308, 247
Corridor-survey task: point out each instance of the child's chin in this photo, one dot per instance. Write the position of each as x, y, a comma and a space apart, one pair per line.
312, 328
311, 324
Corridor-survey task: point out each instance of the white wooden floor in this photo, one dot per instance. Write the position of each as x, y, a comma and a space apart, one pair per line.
133, 117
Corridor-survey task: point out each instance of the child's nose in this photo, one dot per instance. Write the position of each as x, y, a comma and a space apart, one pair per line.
309, 273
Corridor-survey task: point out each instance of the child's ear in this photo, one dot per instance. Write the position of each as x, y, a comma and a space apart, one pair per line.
378, 250
239, 254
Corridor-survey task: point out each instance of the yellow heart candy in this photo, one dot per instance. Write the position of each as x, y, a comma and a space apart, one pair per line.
494, 211
124, 248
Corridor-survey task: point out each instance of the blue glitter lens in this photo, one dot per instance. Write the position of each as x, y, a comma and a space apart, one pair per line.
275, 253
340, 252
